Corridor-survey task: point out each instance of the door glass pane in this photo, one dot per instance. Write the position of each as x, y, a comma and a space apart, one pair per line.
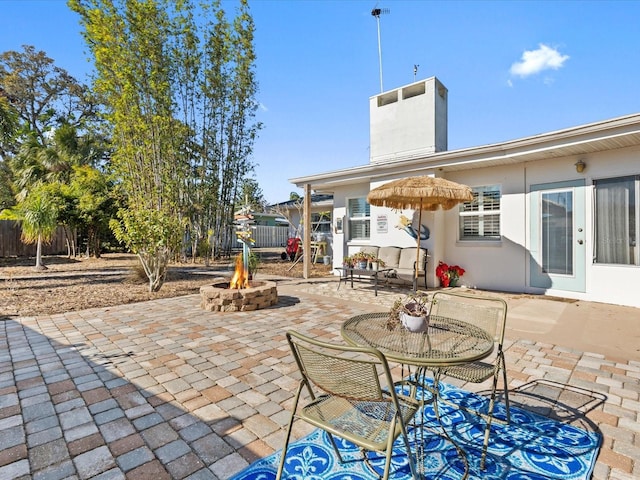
557, 232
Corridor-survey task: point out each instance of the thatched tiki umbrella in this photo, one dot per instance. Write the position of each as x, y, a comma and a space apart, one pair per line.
420, 193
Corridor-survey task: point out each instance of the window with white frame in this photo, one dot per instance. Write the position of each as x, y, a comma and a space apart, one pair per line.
321, 222
480, 218
359, 215
617, 220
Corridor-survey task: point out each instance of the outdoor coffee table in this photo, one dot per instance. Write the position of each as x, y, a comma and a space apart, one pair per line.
445, 343
363, 274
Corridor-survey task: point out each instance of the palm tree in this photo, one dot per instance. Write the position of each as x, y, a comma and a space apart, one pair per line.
39, 215
28, 170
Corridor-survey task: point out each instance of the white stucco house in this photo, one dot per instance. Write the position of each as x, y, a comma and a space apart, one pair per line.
556, 213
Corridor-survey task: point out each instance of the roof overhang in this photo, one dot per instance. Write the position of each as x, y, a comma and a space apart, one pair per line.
611, 134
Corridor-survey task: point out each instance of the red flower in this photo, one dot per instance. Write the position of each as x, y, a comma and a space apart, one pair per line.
446, 273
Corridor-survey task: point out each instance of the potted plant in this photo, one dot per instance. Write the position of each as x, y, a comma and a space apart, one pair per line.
361, 260
377, 263
449, 274
410, 311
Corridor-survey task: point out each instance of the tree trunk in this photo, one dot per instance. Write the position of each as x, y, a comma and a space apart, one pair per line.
70, 241
96, 245
39, 264
93, 241
155, 266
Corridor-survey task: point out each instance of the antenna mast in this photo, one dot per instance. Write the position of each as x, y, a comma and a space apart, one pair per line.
376, 12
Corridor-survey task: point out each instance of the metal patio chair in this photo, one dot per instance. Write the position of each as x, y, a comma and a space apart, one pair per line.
348, 399
490, 314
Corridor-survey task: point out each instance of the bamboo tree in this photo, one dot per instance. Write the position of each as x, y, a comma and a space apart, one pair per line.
135, 79
183, 125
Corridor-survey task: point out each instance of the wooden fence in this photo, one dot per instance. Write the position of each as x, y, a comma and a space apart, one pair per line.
11, 245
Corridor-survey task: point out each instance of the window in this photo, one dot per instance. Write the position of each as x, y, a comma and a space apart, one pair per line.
358, 211
480, 218
617, 220
321, 222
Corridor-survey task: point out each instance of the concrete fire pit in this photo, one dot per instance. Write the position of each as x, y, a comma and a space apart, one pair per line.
218, 297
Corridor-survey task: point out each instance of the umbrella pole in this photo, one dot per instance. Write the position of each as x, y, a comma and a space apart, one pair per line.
418, 230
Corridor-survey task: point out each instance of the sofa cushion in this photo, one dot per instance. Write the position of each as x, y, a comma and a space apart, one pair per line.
400, 261
390, 256
408, 258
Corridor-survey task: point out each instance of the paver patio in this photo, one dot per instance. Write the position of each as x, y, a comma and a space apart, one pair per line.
164, 389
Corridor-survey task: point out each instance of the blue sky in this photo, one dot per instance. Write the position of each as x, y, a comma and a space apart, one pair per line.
513, 69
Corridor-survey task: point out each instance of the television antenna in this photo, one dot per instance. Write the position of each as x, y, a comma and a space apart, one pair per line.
376, 12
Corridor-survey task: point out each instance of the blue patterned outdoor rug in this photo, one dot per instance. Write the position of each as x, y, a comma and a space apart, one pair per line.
531, 447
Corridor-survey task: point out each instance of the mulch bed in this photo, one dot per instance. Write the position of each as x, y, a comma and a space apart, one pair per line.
114, 279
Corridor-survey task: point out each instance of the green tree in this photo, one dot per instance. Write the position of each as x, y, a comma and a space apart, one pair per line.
251, 194
43, 95
134, 76
8, 129
7, 199
95, 204
38, 218
48, 125
220, 116
8, 124
180, 95
54, 163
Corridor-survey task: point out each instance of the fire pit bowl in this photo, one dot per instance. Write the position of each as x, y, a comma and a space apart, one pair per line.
218, 297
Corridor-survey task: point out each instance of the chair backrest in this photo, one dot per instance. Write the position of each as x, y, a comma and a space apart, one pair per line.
488, 313
344, 371
390, 256
408, 258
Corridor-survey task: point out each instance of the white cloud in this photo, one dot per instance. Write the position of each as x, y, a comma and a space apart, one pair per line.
535, 61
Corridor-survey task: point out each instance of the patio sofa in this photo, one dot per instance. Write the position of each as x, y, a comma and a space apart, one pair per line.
402, 261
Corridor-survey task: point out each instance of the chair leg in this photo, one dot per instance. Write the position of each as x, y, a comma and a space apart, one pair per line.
506, 390
407, 446
288, 436
335, 447
500, 365
389, 451
487, 428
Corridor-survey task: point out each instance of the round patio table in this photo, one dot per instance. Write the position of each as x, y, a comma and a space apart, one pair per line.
445, 342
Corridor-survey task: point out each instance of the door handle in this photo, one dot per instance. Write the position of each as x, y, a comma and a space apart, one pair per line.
580, 242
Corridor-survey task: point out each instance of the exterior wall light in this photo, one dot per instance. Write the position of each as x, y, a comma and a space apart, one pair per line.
580, 166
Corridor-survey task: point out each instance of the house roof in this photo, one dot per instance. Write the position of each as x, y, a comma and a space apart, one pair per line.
610, 134
316, 200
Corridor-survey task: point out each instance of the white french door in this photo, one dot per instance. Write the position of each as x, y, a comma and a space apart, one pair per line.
557, 243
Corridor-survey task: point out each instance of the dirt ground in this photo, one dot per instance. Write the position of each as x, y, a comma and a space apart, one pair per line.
81, 283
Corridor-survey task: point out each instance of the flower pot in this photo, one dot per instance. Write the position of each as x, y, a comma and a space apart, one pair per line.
414, 324
374, 265
362, 265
